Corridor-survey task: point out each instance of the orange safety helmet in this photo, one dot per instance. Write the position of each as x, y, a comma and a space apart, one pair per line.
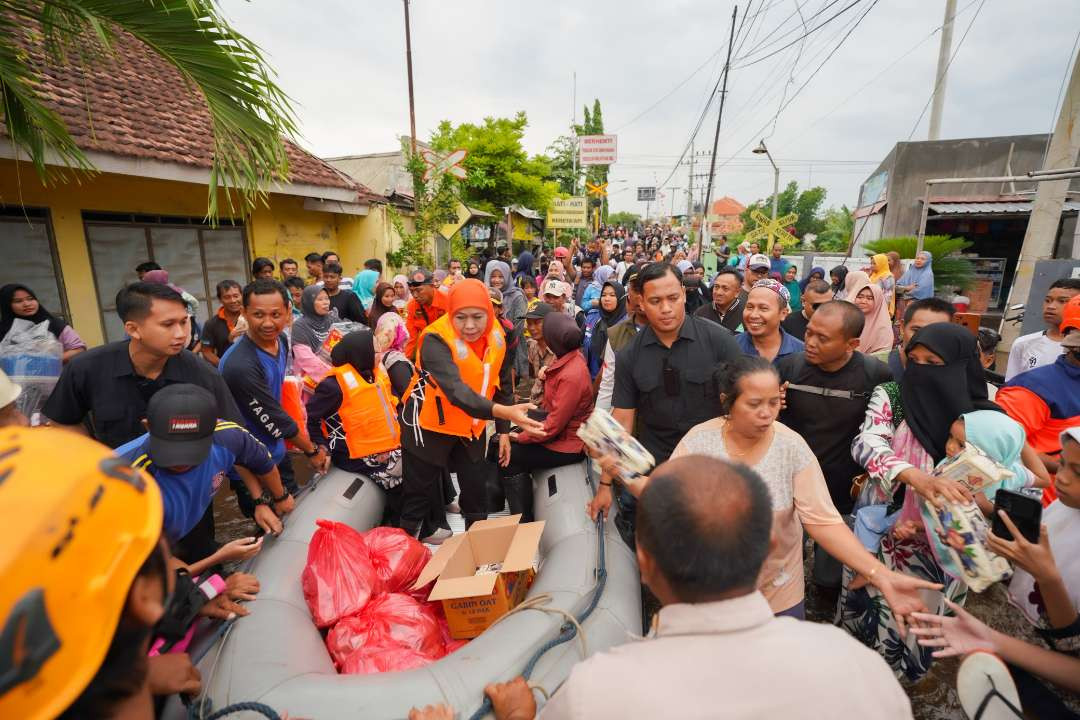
1070, 315
78, 524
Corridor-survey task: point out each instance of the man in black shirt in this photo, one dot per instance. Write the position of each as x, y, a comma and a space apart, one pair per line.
113, 383
817, 293
225, 326
346, 302
664, 377
828, 388
728, 300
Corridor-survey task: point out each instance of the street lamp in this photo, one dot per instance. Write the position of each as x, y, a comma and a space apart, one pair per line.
762, 150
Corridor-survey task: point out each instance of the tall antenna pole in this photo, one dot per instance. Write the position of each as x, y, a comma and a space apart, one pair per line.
716, 139
408, 66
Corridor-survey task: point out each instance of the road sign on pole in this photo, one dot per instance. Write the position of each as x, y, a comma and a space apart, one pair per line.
774, 230
646, 194
598, 149
568, 213
599, 190
438, 165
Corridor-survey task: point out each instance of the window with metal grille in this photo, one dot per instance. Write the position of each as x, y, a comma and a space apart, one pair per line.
196, 256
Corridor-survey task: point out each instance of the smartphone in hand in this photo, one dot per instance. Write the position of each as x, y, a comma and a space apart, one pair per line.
539, 414
1025, 512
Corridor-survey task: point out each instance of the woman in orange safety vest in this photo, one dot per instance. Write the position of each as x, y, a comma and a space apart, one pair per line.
353, 413
462, 381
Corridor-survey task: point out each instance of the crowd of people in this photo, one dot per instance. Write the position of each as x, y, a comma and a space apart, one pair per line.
776, 407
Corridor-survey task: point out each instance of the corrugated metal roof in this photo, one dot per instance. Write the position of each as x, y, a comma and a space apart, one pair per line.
991, 208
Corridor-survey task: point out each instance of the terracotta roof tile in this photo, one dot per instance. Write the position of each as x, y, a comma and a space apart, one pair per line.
727, 206
138, 105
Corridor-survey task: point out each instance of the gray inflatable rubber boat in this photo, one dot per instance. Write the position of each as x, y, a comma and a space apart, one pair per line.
276, 655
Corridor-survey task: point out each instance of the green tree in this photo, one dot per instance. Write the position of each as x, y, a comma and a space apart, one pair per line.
249, 113
499, 170
626, 219
560, 155
952, 271
838, 224
790, 200
436, 204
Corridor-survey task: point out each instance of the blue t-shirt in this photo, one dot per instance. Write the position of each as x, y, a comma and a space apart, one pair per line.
185, 496
788, 344
254, 377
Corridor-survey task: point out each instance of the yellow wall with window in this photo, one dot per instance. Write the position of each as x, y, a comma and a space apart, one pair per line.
279, 229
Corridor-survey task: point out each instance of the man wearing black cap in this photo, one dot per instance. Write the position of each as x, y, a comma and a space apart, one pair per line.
539, 353
428, 304
189, 452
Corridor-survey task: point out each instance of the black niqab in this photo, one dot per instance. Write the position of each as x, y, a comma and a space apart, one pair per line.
934, 396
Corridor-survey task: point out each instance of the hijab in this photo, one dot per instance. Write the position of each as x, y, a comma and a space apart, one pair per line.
1002, 439
511, 293
840, 272
311, 328
392, 324
377, 308
852, 280
877, 334
879, 268
471, 293
561, 333
922, 278
556, 270
364, 287
356, 349
820, 271
598, 342
468, 273
525, 263
794, 290
404, 281
601, 276
8, 316
934, 396
894, 264
503, 268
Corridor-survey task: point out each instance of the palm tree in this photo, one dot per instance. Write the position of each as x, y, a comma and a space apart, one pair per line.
249, 113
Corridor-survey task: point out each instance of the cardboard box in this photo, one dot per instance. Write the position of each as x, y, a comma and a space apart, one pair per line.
473, 602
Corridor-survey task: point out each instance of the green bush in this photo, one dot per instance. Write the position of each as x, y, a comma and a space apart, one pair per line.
950, 269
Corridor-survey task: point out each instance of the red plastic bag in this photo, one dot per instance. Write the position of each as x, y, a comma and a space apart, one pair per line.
370, 660
339, 578
397, 556
391, 620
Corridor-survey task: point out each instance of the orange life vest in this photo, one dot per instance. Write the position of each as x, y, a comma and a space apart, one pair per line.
438, 414
367, 412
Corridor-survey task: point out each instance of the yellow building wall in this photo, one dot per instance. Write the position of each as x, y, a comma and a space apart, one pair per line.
280, 229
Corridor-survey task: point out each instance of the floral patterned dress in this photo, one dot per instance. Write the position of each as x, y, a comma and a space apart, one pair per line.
885, 447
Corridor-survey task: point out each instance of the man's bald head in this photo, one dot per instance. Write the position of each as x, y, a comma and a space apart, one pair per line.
852, 320
706, 524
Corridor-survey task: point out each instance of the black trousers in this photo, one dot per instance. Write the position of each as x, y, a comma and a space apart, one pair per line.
423, 503
526, 457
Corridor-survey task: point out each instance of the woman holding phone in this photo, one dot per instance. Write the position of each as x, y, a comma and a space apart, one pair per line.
567, 403
462, 381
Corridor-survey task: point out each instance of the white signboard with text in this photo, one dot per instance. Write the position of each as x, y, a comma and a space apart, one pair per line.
598, 149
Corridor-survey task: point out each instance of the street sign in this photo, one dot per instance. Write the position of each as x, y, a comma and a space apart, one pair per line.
599, 190
646, 194
568, 213
774, 230
597, 149
438, 165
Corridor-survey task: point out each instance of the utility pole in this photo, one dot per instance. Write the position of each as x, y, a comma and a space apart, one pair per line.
716, 137
938, 100
1045, 217
690, 190
408, 67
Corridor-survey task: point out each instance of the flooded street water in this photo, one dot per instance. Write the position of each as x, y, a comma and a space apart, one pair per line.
934, 698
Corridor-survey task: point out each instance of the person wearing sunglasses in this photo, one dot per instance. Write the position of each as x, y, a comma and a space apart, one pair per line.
814, 295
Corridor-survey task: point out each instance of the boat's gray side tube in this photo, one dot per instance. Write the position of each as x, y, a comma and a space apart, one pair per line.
277, 656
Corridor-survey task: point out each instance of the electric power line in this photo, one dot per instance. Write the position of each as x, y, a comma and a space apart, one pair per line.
840, 12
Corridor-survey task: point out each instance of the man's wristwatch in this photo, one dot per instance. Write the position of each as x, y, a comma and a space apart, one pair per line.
283, 498
265, 499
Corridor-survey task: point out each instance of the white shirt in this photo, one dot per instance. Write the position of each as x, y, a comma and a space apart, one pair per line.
732, 659
1031, 351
